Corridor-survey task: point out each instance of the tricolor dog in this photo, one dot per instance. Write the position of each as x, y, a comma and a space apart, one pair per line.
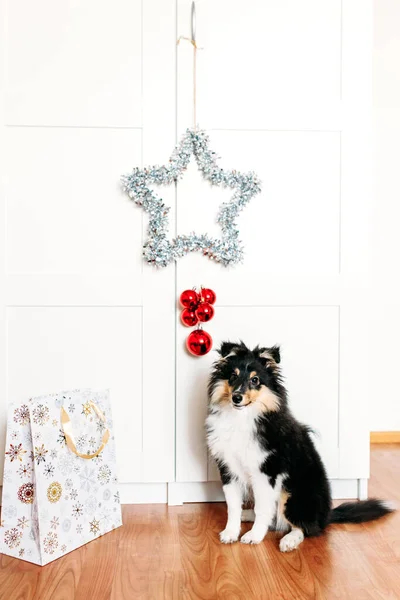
265, 454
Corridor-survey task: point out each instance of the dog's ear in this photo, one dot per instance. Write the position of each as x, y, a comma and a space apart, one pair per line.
268, 354
228, 349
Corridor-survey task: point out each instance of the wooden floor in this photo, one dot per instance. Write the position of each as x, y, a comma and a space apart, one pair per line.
175, 553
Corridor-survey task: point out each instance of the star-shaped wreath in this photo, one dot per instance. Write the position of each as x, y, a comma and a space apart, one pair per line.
158, 249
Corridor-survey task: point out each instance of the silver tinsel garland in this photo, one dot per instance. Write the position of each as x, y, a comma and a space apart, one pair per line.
160, 251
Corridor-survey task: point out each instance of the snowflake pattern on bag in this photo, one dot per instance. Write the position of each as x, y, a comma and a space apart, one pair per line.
21, 415
49, 470
40, 454
25, 470
53, 500
23, 522
54, 492
104, 475
15, 452
12, 537
50, 543
26, 493
41, 414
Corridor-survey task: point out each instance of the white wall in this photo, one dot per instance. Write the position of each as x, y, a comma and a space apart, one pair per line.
385, 319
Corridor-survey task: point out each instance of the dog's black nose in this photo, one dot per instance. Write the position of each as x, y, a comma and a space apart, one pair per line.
237, 398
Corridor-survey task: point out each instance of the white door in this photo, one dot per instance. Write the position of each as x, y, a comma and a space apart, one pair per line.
88, 91
284, 90
79, 107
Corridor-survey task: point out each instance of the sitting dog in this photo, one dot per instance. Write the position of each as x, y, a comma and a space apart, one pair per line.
263, 452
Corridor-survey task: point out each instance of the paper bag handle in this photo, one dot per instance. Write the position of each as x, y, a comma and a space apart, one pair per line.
69, 438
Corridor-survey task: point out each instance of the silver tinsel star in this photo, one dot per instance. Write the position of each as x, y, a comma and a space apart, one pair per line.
158, 249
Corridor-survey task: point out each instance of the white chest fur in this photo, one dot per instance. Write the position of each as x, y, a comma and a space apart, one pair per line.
232, 439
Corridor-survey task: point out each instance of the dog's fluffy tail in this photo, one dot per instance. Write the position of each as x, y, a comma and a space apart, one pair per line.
359, 512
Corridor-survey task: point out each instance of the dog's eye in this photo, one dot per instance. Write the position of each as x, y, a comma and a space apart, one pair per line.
254, 380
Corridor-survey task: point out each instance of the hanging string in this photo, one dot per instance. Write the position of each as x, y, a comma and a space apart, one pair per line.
192, 40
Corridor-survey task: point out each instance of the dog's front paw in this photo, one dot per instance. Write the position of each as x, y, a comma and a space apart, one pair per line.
228, 536
251, 537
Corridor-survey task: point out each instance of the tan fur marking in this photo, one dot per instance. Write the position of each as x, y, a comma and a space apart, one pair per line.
281, 517
282, 523
283, 498
253, 374
222, 393
237, 371
265, 399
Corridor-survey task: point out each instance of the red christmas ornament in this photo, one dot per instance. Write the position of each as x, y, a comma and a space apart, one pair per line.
189, 299
208, 295
189, 318
205, 312
199, 342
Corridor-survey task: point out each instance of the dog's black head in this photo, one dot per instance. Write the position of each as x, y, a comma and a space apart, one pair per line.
244, 377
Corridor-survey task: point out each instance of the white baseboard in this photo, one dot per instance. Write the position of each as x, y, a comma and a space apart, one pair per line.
211, 491
143, 493
202, 491
362, 489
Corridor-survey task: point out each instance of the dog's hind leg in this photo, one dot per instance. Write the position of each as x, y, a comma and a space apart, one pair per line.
291, 540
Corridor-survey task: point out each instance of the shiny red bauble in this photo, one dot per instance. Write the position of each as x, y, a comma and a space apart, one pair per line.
208, 295
205, 312
189, 318
199, 342
189, 299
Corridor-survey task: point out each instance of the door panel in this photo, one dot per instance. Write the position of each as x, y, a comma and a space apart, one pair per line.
74, 64
66, 227
268, 64
309, 349
67, 344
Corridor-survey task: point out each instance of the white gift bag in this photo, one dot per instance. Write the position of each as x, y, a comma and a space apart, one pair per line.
60, 486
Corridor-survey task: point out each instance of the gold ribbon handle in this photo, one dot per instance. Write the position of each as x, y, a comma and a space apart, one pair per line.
69, 438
